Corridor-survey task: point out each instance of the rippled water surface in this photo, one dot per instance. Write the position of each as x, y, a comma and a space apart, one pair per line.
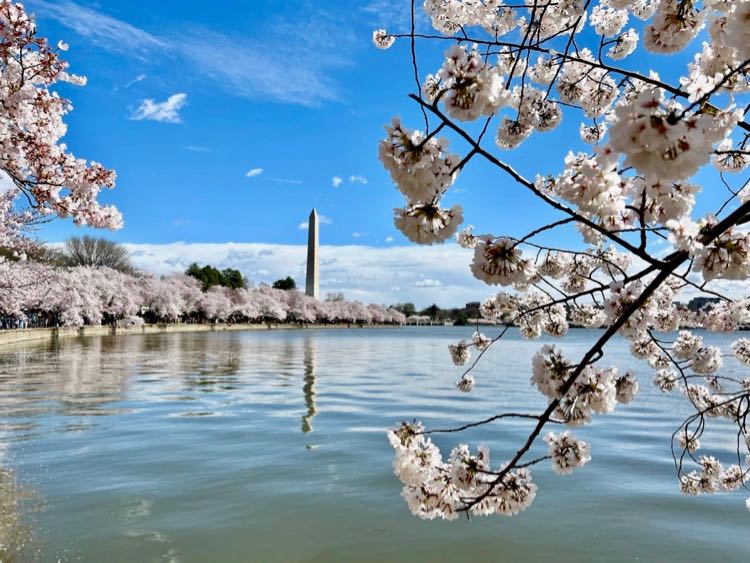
270, 446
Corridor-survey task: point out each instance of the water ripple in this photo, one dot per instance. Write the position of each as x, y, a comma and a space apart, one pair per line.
270, 446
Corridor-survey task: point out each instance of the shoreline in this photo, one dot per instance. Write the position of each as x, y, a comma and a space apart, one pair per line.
16, 336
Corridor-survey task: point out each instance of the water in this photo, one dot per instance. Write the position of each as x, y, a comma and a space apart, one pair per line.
270, 446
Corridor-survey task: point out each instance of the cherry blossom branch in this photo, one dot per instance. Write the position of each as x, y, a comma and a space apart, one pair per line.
529, 185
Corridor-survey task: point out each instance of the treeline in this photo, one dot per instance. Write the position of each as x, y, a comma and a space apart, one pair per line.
457, 315
210, 277
42, 294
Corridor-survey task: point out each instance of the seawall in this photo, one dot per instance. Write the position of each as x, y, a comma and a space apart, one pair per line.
41, 334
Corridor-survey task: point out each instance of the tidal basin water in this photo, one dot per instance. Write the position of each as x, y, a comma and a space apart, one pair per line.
270, 446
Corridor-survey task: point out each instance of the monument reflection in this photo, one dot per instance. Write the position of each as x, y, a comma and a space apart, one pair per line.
87, 378
308, 388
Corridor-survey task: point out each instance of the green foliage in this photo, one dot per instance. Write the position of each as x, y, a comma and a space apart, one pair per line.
210, 276
233, 278
432, 311
462, 320
286, 283
407, 309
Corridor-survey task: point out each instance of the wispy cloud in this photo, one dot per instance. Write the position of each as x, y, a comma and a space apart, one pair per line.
388, 239
287, 181
197, 148
136, 80
167, 111
253, 172
322, 219
337, 181
288, 62
356, 179
395, 16
295, 69
355, 234
100, 29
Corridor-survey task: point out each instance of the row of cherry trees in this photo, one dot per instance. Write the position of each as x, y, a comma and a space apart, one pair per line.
92, 296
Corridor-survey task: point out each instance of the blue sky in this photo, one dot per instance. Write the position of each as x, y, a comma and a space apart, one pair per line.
297, 91
228, 121
293, 88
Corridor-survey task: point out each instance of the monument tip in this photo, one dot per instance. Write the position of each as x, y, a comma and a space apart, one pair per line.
312, 283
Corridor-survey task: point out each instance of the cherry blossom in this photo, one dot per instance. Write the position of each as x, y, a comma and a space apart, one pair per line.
662, 148
427, 223
468, 87
382, 40
567, 452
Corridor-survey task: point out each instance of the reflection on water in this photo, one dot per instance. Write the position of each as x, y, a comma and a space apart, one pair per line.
309, 387
187, 447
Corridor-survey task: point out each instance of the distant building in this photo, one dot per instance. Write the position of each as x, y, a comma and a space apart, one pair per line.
312, 283
697, 303
472, 308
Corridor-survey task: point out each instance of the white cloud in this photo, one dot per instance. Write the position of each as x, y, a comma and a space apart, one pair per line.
428, 282
337, 181
167, 111
355, 179
286, 62
356, 235
388, 239
322, 219
198, 148
253, 172
371, 274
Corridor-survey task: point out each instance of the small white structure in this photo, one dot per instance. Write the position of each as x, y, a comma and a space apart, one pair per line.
418, 320
312, 283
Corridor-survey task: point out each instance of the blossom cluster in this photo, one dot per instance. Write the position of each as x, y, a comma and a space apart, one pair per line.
422, 169
593, 391
435, 488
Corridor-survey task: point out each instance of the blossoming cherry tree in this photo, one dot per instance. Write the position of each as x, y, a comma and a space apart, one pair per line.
515, 69
39, 177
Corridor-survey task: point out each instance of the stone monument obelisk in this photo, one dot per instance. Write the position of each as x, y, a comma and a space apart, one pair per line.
312, 285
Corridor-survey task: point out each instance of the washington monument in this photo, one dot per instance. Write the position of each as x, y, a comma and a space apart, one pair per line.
312, 285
